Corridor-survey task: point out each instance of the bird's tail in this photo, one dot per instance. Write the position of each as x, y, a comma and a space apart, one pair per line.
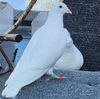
10, 91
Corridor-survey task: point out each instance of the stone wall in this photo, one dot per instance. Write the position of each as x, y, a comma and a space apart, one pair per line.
84, 24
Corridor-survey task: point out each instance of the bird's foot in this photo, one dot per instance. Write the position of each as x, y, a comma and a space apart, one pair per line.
54, 76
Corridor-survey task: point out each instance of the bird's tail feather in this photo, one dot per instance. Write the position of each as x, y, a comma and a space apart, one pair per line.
9, 91
12, 88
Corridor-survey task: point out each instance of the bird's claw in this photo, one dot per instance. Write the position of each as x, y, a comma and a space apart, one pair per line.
56, 77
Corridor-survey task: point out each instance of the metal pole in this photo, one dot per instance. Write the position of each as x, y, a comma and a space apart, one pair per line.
11, 67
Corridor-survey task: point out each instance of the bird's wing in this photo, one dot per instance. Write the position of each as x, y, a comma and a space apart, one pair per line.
61, 63
36, 60
68, 36
35, 57
67, 32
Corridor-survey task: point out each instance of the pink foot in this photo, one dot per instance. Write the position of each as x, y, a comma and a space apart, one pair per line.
56, 77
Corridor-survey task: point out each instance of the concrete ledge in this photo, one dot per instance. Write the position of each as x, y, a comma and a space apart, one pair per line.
77, 85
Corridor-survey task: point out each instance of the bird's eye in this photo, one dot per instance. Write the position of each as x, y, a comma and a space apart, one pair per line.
60, 6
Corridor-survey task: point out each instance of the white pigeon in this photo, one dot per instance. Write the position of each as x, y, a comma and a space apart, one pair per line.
44, 49
72, 59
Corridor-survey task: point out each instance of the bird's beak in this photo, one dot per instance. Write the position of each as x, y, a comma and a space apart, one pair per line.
68, 11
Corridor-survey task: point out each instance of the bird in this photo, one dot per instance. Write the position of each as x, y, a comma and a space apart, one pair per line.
43, 50
72, 58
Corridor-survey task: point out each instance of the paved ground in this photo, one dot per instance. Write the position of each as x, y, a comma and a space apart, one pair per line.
77, 85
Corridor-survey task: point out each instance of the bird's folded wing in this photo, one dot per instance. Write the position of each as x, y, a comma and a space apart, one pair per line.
33, 62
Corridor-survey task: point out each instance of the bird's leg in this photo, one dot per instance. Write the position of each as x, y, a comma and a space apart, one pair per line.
54, 76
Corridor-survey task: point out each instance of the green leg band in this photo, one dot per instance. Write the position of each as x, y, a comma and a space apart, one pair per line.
53, 75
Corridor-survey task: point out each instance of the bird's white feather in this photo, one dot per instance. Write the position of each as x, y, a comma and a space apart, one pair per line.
43, 50
72, 59
44, 5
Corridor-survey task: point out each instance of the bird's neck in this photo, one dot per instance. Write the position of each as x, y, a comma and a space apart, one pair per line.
55, 19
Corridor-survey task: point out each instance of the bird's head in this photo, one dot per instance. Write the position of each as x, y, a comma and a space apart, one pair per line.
61, 7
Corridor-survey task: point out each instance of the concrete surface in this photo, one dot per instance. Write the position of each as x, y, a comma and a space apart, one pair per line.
77, 85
